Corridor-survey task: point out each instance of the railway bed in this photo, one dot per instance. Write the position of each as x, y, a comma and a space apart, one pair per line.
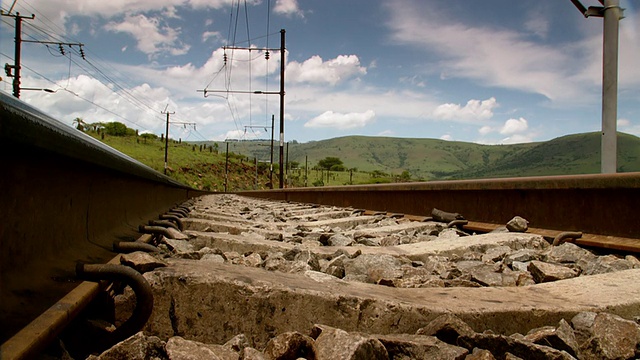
67, 198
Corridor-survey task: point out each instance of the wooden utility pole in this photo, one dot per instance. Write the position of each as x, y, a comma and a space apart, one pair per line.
166, 141
271, 160
166, 135
226, 169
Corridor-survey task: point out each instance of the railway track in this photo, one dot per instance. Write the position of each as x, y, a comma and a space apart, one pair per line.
67, 198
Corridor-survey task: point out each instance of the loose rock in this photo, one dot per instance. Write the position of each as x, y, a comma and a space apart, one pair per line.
545, 272
290, 346
404, 346
518, 224
447, 328
141, 261
338, 344
137, 347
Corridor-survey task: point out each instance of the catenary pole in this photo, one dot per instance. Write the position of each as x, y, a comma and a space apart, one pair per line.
609, 146
282, 60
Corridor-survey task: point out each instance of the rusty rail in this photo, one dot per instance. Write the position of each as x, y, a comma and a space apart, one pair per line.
602, 204
65, 198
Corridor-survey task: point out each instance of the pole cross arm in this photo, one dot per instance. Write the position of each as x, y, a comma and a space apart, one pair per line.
583, 9
595, 11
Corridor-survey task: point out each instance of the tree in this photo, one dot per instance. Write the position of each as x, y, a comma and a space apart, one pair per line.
79, 124
328, 162
115, 129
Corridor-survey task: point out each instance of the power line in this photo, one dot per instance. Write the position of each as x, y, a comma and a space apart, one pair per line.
60, 41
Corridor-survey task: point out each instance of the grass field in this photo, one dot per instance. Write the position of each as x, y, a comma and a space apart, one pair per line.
372, 160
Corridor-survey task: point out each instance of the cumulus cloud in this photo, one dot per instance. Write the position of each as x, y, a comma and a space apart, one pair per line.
517, 131
288, 8
234, 134
474, 110
152, 37
315, 70
330, 119
446, 137
514, 126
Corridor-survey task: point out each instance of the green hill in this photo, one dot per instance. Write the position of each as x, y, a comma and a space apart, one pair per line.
430, 159
571, 154
370, 159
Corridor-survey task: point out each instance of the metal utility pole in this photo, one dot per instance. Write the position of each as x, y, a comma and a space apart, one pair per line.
612, 13
282, 59
281, 93
16, 65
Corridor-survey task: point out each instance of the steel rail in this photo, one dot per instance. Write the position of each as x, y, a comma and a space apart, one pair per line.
600, 204
66, 197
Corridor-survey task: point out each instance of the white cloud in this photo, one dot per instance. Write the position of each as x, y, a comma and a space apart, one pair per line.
234, 134
623, 122
152, 38
211, 34
386, 133
415, 80
315, 70
485, 130
288, 8
496, 56
474, 110
329, 119
517, 139
516, 129
514, 126
61, 9
446, 137
538, 24
629, 127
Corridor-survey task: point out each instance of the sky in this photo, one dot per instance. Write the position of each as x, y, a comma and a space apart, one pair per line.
490, 72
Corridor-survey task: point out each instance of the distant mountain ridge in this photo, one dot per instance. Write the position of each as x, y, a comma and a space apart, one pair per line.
430, 159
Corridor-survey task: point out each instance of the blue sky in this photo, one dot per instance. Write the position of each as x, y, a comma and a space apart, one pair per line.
496, 71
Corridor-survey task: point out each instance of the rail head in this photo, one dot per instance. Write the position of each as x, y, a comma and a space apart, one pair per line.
27, 126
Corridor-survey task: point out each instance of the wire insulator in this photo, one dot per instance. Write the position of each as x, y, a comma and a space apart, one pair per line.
82, 53
266, 55
61, 49
224, 57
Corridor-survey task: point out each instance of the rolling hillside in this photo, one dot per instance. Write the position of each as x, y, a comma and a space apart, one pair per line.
430, 159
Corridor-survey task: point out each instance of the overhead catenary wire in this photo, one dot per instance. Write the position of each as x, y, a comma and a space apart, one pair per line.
46, 30
37, 32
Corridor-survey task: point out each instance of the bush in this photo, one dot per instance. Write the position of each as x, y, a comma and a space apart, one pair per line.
318, 183
149, 136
